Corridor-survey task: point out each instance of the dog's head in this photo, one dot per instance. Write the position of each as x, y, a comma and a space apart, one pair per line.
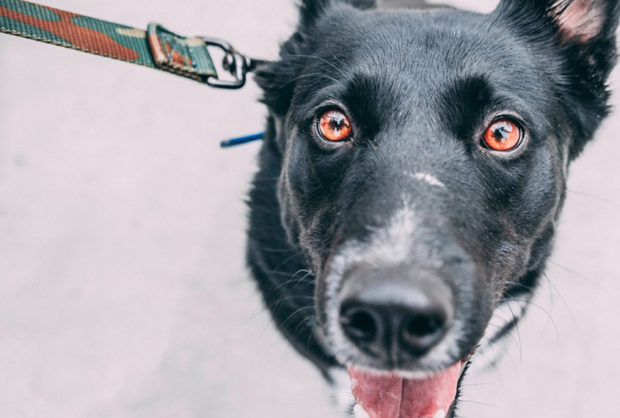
422, 161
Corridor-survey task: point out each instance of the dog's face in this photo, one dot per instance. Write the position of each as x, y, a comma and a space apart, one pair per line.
422, 161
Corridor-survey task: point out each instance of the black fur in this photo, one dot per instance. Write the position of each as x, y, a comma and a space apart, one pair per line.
419, 88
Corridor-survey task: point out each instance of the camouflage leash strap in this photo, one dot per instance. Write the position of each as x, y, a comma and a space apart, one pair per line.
156, 47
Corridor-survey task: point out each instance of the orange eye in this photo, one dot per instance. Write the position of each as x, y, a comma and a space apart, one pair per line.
334, 126
503, 135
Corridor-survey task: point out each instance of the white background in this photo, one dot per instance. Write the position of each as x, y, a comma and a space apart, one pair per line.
123, 291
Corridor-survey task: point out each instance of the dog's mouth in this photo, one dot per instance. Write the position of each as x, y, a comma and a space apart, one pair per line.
392, 395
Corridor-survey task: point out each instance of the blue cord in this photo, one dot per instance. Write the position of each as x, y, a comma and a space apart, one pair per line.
227, 143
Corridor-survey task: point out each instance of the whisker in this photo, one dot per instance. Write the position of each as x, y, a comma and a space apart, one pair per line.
296, 312
553, 289
574, 273
591, 196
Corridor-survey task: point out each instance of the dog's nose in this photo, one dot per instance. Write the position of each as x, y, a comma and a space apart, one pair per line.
395, 319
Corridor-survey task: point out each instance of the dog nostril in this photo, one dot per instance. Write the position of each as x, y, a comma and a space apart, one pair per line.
359, 324
421, 331
423, 325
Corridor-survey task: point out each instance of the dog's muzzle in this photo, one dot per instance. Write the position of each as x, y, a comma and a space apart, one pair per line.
397, 324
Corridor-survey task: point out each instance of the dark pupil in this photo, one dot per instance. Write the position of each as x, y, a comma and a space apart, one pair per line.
337, 122
502, 131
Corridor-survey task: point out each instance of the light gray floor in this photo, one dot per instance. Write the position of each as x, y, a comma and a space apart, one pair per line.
123, 291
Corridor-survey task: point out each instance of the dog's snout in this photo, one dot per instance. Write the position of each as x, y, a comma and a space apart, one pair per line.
395, 319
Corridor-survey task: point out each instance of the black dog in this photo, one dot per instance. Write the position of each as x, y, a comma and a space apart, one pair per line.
411, 179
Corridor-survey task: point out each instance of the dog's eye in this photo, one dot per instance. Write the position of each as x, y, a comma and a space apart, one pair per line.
502, 135
335, 126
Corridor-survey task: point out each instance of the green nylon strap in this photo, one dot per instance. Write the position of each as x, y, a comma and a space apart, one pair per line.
156, 47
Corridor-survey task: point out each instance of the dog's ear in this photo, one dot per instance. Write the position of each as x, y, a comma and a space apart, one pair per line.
584, 34
311, 10
277, 79
574, 22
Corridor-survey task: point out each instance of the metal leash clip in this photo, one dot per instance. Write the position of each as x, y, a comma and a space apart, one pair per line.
237, 64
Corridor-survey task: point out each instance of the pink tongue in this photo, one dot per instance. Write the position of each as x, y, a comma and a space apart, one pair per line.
391, 396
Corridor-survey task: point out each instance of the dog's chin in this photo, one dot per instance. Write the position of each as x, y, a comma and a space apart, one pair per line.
405, 394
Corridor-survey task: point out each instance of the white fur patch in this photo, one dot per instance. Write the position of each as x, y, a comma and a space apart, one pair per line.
429, 179
360, 412
392, 243
490, 351
342, 395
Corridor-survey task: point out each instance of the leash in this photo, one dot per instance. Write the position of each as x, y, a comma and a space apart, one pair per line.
156, 47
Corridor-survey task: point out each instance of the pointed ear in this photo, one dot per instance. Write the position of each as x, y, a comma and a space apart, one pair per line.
277, 79
586, 32
311, 10
589, 24
578, 21
583, 35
